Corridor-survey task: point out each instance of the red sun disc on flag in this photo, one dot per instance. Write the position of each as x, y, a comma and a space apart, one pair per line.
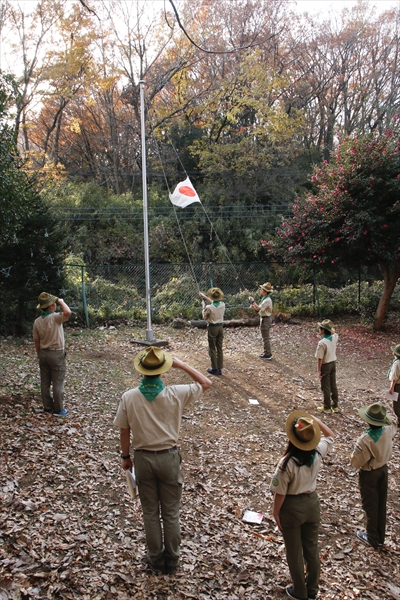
185, 190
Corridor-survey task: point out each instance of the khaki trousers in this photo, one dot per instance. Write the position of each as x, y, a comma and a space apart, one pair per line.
396, 405
160, 489
328, 385
265, 327
373, 489
215, 338
53, 366
300, 518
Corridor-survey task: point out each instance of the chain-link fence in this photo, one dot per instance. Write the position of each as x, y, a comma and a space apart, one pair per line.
110, 292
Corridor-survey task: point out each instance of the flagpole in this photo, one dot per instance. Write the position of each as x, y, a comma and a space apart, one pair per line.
150, 339
149, 331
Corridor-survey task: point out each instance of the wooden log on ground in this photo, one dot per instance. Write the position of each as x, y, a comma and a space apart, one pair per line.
249, 322
231, 323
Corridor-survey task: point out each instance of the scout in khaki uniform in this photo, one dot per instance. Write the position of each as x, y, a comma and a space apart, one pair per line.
152, 412
394, 378
326, 361
214, 315
296, 507
48, 334
265, 310
371, 453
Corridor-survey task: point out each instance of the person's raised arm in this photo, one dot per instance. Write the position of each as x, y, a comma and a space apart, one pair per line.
193, 373
65, 309
253, 303
204, 297
326, 431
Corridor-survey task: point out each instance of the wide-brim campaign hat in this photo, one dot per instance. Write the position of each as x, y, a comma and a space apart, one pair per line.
303, 430
215, 293
396, 349
152, 361
374, 414
46, 300
327, 324
267, 287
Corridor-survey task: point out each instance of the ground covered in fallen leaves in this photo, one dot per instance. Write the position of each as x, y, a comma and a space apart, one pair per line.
68, 528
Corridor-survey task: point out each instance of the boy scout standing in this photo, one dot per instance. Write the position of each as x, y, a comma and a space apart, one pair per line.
48, 334
326, 357
371, 453
265, 310
214, 315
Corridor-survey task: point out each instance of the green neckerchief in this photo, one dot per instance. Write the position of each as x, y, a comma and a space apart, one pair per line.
216, 303
300, 462
327, 336
150, 388
46, 314
390, 368
375, 434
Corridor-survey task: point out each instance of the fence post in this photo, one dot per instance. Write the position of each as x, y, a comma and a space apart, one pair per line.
84, 303
211, 275
265, 271
359, 286
315, 294
313, 290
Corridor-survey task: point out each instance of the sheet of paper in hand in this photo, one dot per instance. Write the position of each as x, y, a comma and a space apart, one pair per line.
394, 397
132, 485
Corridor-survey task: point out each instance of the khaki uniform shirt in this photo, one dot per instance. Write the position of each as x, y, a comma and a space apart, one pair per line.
214, 314
296, 480
50, 331
394, 374
266, 307
369, 455
326, 349
155, 425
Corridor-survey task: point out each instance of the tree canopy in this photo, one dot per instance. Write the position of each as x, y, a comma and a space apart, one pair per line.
30, 251
354, 215
15, 186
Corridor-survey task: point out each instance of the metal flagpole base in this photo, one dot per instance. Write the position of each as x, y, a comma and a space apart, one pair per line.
154, 342
150, 340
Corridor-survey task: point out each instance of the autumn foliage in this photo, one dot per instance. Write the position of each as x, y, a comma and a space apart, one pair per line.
354, 215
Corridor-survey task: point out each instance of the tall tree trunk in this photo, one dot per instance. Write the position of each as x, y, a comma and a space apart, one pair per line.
19, 322
391, 274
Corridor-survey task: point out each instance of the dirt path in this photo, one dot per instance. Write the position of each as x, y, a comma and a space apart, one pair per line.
69, 528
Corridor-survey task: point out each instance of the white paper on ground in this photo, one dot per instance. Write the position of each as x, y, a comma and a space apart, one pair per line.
132, 485
252, 517
394, 397
253, 401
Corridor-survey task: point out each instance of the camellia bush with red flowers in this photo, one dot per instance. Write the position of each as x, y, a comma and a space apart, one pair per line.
354, 218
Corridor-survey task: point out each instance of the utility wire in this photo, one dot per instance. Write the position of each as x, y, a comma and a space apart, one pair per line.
176, 215
206, 214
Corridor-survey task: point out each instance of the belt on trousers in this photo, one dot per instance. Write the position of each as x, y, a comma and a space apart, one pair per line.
158, 451
53, 349
266, 317
214, 324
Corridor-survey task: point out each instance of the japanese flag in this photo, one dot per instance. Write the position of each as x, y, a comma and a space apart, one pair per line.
184, 194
